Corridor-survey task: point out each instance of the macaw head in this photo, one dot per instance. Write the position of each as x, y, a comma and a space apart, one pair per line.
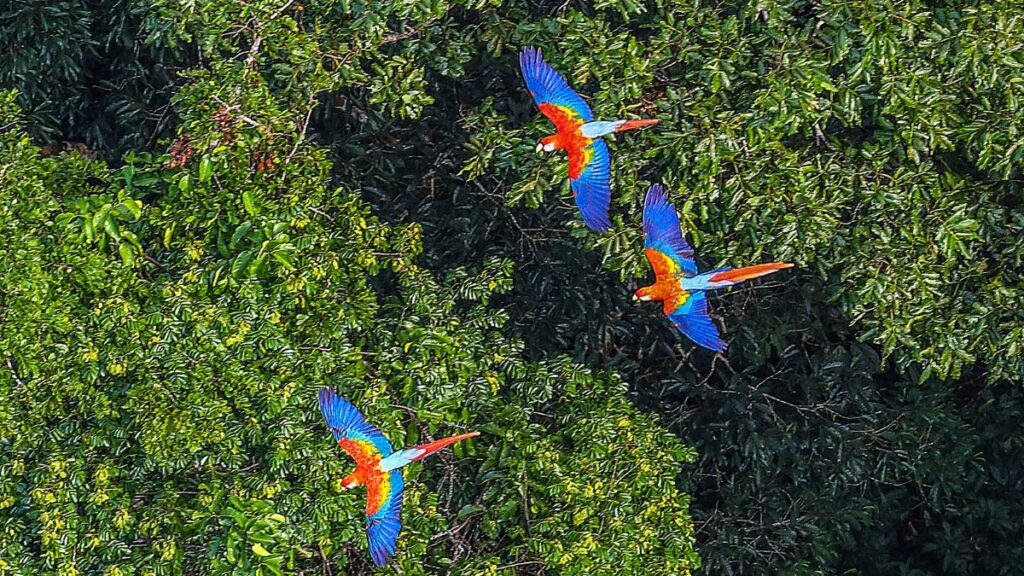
642, 293
547, 144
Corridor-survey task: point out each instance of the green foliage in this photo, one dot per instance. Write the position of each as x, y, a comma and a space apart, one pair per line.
913, 473
838, 465
85, 75
873, 143
165, 329
865, 420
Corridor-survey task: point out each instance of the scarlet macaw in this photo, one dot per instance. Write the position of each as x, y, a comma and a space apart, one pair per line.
378, 467
676, 282
578, 134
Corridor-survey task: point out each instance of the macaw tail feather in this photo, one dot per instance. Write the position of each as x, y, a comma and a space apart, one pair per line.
634, 124
431, 447
741, 274
408, 455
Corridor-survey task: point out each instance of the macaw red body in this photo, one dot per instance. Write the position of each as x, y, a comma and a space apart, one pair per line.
677, 285
578, 134
378, 467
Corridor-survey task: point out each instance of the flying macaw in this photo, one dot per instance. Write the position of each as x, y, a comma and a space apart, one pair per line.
378, 467
578, 134
676, 282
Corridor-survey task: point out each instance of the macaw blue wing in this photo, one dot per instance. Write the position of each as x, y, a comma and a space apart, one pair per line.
691, 317
663, 233
384, 525
350, 428
548, 87
592, 186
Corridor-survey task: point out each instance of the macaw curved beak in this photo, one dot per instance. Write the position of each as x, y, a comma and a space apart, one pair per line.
636, 298
540, 147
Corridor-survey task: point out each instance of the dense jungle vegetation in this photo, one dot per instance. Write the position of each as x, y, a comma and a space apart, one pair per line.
211, 209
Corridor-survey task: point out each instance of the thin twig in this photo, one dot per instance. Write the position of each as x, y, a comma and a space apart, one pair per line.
322, 213
155, 261
14, 373
302, 135
243, 117
398, 37
515, 564
323, 558
281, 9
250, 60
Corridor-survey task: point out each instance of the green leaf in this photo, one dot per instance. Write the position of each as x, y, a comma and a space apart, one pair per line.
240, 267
132, 238
90, 232
257, 267
259, 550
112, 229
470, 509
285, 259
127, 254
248, 202
134, 207
205, 168
240, 231
580, 516
169, 234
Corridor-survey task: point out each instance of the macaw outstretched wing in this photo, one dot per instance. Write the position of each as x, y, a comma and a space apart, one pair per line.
363, 441
692, 319
556, 100
384, 519
590, 173
666, 249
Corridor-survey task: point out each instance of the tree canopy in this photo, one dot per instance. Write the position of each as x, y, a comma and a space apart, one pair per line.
211, 209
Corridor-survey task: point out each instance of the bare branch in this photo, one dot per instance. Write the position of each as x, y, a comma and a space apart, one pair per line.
14, 373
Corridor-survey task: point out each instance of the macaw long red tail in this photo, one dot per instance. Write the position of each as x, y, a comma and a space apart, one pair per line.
634, 124
436, 445
741, 274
